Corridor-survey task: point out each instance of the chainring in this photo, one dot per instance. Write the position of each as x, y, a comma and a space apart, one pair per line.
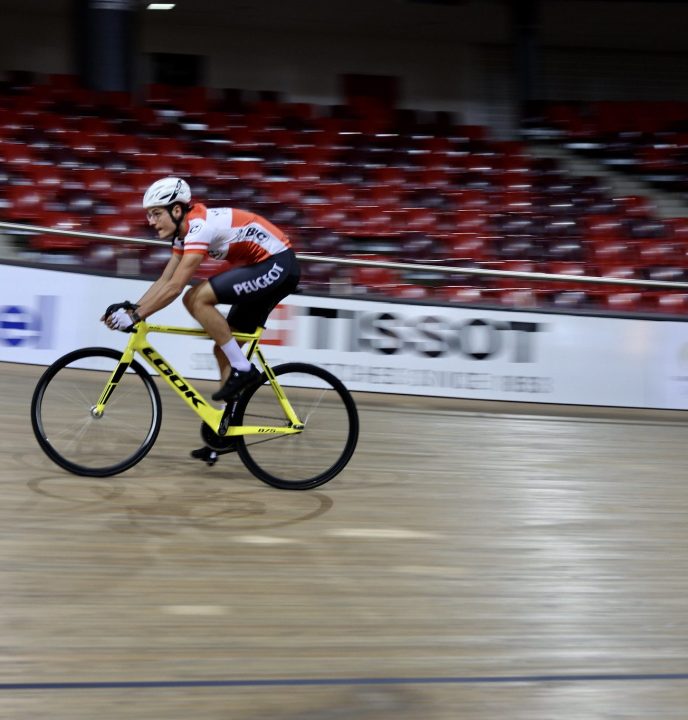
217, 442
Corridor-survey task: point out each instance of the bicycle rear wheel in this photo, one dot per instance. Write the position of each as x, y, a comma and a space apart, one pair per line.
316, 454
70, 434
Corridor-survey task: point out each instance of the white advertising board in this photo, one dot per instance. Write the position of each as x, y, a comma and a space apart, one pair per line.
380, 346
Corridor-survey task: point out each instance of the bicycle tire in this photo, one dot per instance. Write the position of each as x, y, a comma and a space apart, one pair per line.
317, 454
72, 437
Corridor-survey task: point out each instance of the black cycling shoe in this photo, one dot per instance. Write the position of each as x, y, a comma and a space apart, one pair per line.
236, 382
209, 455
206, 454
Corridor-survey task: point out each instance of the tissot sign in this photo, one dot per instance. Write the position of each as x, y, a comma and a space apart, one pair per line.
427, 334
380, 346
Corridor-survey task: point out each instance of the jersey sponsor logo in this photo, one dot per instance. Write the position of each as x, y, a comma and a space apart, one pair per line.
261, 282
254, 233
22, 326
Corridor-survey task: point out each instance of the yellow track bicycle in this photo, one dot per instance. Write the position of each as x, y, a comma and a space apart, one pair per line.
97, 412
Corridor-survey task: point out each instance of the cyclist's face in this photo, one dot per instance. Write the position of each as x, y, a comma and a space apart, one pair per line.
160, 219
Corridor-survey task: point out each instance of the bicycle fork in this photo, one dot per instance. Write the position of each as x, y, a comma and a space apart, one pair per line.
99, 408
210, 415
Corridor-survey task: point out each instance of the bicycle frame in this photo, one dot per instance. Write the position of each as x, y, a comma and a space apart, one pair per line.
211, 416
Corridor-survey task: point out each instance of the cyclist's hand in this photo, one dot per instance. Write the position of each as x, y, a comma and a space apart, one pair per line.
126, 305
117, 316
119, 320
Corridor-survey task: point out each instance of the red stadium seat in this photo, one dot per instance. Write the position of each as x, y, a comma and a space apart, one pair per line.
101, 257
634, 206
25, 203
621, 272
384, 196
613, 253
16, 154
465, 246
565, 268
374, 277
59, 243
120, 226
517, 296
388, 176
462, 294
407, 291
603, 228
627, 272
320, 276
154, 164
419, 220
660, 252
632, 300
564, 250
248, 170
336, 193
521, 266
47, 177
666, 273
372, 221
287, 192
678, 229
201, 167
673, 302
121, 144
331, 217
98, 182
573, 298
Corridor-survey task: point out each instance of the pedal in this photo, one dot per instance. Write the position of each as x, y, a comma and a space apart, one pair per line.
205, 454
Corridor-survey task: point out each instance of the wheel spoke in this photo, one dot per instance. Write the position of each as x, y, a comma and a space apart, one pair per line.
76, 440
321, 450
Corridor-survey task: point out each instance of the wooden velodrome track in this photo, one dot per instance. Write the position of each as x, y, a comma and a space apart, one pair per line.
474, 561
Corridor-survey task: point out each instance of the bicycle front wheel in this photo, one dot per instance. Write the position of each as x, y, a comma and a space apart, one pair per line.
73, 436
321, 450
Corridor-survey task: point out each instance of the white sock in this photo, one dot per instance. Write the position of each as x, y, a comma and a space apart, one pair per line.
236, 358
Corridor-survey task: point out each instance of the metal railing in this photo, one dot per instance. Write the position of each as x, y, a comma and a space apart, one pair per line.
435, 268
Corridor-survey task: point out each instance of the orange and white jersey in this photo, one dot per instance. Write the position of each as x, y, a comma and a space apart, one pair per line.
237, 236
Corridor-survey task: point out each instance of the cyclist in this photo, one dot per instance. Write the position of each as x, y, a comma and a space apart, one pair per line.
263, 270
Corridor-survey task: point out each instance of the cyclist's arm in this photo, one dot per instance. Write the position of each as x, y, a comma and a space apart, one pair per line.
165, 276
170, 285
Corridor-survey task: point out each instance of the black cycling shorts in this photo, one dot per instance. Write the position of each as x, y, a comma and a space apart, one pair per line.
253, 291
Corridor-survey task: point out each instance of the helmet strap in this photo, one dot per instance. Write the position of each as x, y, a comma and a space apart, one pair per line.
177, 223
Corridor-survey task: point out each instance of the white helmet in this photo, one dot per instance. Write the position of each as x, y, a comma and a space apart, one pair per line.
167, 191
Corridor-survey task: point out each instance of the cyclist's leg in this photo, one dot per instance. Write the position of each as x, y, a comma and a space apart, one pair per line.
222, 362
246, 313
200, 301
257, 287
253, 291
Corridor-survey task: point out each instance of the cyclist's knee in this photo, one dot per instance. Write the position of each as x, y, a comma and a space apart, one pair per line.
199, 296
189, 298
